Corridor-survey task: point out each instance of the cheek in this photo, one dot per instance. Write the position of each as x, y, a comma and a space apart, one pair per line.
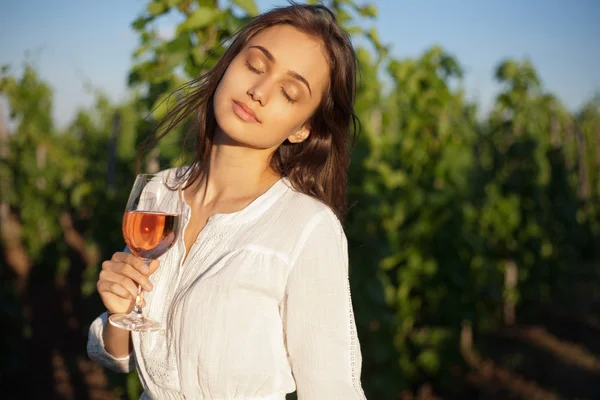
283, 124
287, 120
222, 88
223, 95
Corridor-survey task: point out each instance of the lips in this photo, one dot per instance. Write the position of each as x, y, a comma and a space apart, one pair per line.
245, 112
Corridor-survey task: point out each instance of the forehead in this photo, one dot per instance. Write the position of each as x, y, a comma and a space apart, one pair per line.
296, 51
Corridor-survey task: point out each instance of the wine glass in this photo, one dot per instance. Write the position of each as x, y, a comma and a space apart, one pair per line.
151, 225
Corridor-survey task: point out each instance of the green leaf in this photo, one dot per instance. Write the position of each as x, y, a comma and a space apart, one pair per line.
173, 59
156, 8
343, 17
140, 23
206, 3
232, 22
134, 387
374, 38
180, 43
79, 192
191, 68
248, 6
354, 30
141, 50
161, 106
198, 56
369, 11
201, 18
429, 360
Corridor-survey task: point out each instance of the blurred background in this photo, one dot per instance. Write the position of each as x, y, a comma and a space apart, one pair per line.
475, 186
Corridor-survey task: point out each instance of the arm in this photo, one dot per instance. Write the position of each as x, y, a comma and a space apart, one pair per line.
117, 342
108, 345
98, 347
318, 316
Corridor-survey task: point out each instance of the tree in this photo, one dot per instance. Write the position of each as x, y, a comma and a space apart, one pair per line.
588, 123
414, 189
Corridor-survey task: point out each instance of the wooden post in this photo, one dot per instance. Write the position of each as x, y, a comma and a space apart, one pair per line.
584, 182
511, 275
3, 137
112, 153
555, 133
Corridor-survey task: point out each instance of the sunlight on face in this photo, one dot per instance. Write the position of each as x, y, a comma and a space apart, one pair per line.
271, 88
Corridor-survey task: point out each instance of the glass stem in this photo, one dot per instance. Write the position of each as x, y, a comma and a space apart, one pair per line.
139, 299
137, 308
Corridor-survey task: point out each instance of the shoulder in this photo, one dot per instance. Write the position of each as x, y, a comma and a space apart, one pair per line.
311, 215
307, 206
320, 236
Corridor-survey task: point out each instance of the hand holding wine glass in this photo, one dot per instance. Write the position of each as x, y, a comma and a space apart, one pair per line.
119, 280
151, 225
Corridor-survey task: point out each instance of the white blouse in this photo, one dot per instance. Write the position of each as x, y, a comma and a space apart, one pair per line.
261, 307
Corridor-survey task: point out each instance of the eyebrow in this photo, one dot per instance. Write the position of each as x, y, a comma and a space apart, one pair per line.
293, 74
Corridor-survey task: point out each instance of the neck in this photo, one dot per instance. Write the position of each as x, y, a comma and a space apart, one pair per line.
235, 171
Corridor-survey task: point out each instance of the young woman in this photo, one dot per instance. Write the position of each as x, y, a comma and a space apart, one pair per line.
254, 296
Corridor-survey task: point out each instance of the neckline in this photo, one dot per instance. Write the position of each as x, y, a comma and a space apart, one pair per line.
254, 209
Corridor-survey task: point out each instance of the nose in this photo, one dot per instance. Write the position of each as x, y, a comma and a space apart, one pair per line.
260, 92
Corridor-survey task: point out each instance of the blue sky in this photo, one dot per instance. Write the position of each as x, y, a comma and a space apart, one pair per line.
73, 42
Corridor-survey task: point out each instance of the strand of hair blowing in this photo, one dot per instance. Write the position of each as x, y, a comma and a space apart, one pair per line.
317, 166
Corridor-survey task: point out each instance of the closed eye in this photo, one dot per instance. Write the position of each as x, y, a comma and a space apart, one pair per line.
287, 96
251, 68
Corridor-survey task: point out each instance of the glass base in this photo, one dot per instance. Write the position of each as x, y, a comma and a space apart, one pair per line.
134, 322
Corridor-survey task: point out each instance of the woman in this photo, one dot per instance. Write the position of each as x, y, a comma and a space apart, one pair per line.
255, 296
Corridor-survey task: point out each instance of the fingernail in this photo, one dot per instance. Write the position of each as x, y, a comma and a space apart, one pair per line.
149, 286
145, 269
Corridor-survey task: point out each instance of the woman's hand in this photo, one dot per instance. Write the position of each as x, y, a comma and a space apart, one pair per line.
118, 280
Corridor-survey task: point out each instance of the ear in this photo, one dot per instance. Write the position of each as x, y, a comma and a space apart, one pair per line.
300, 136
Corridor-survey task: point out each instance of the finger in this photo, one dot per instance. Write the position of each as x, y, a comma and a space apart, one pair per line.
127, 270
132, 260
153, 267
114, 288
124, 281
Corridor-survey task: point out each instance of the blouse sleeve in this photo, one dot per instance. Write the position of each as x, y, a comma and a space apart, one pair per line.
318, 316
97, 352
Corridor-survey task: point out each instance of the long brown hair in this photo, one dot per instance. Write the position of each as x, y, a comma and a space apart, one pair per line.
317, 166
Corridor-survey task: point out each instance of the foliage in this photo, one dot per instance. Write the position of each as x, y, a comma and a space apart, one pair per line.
441, 204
